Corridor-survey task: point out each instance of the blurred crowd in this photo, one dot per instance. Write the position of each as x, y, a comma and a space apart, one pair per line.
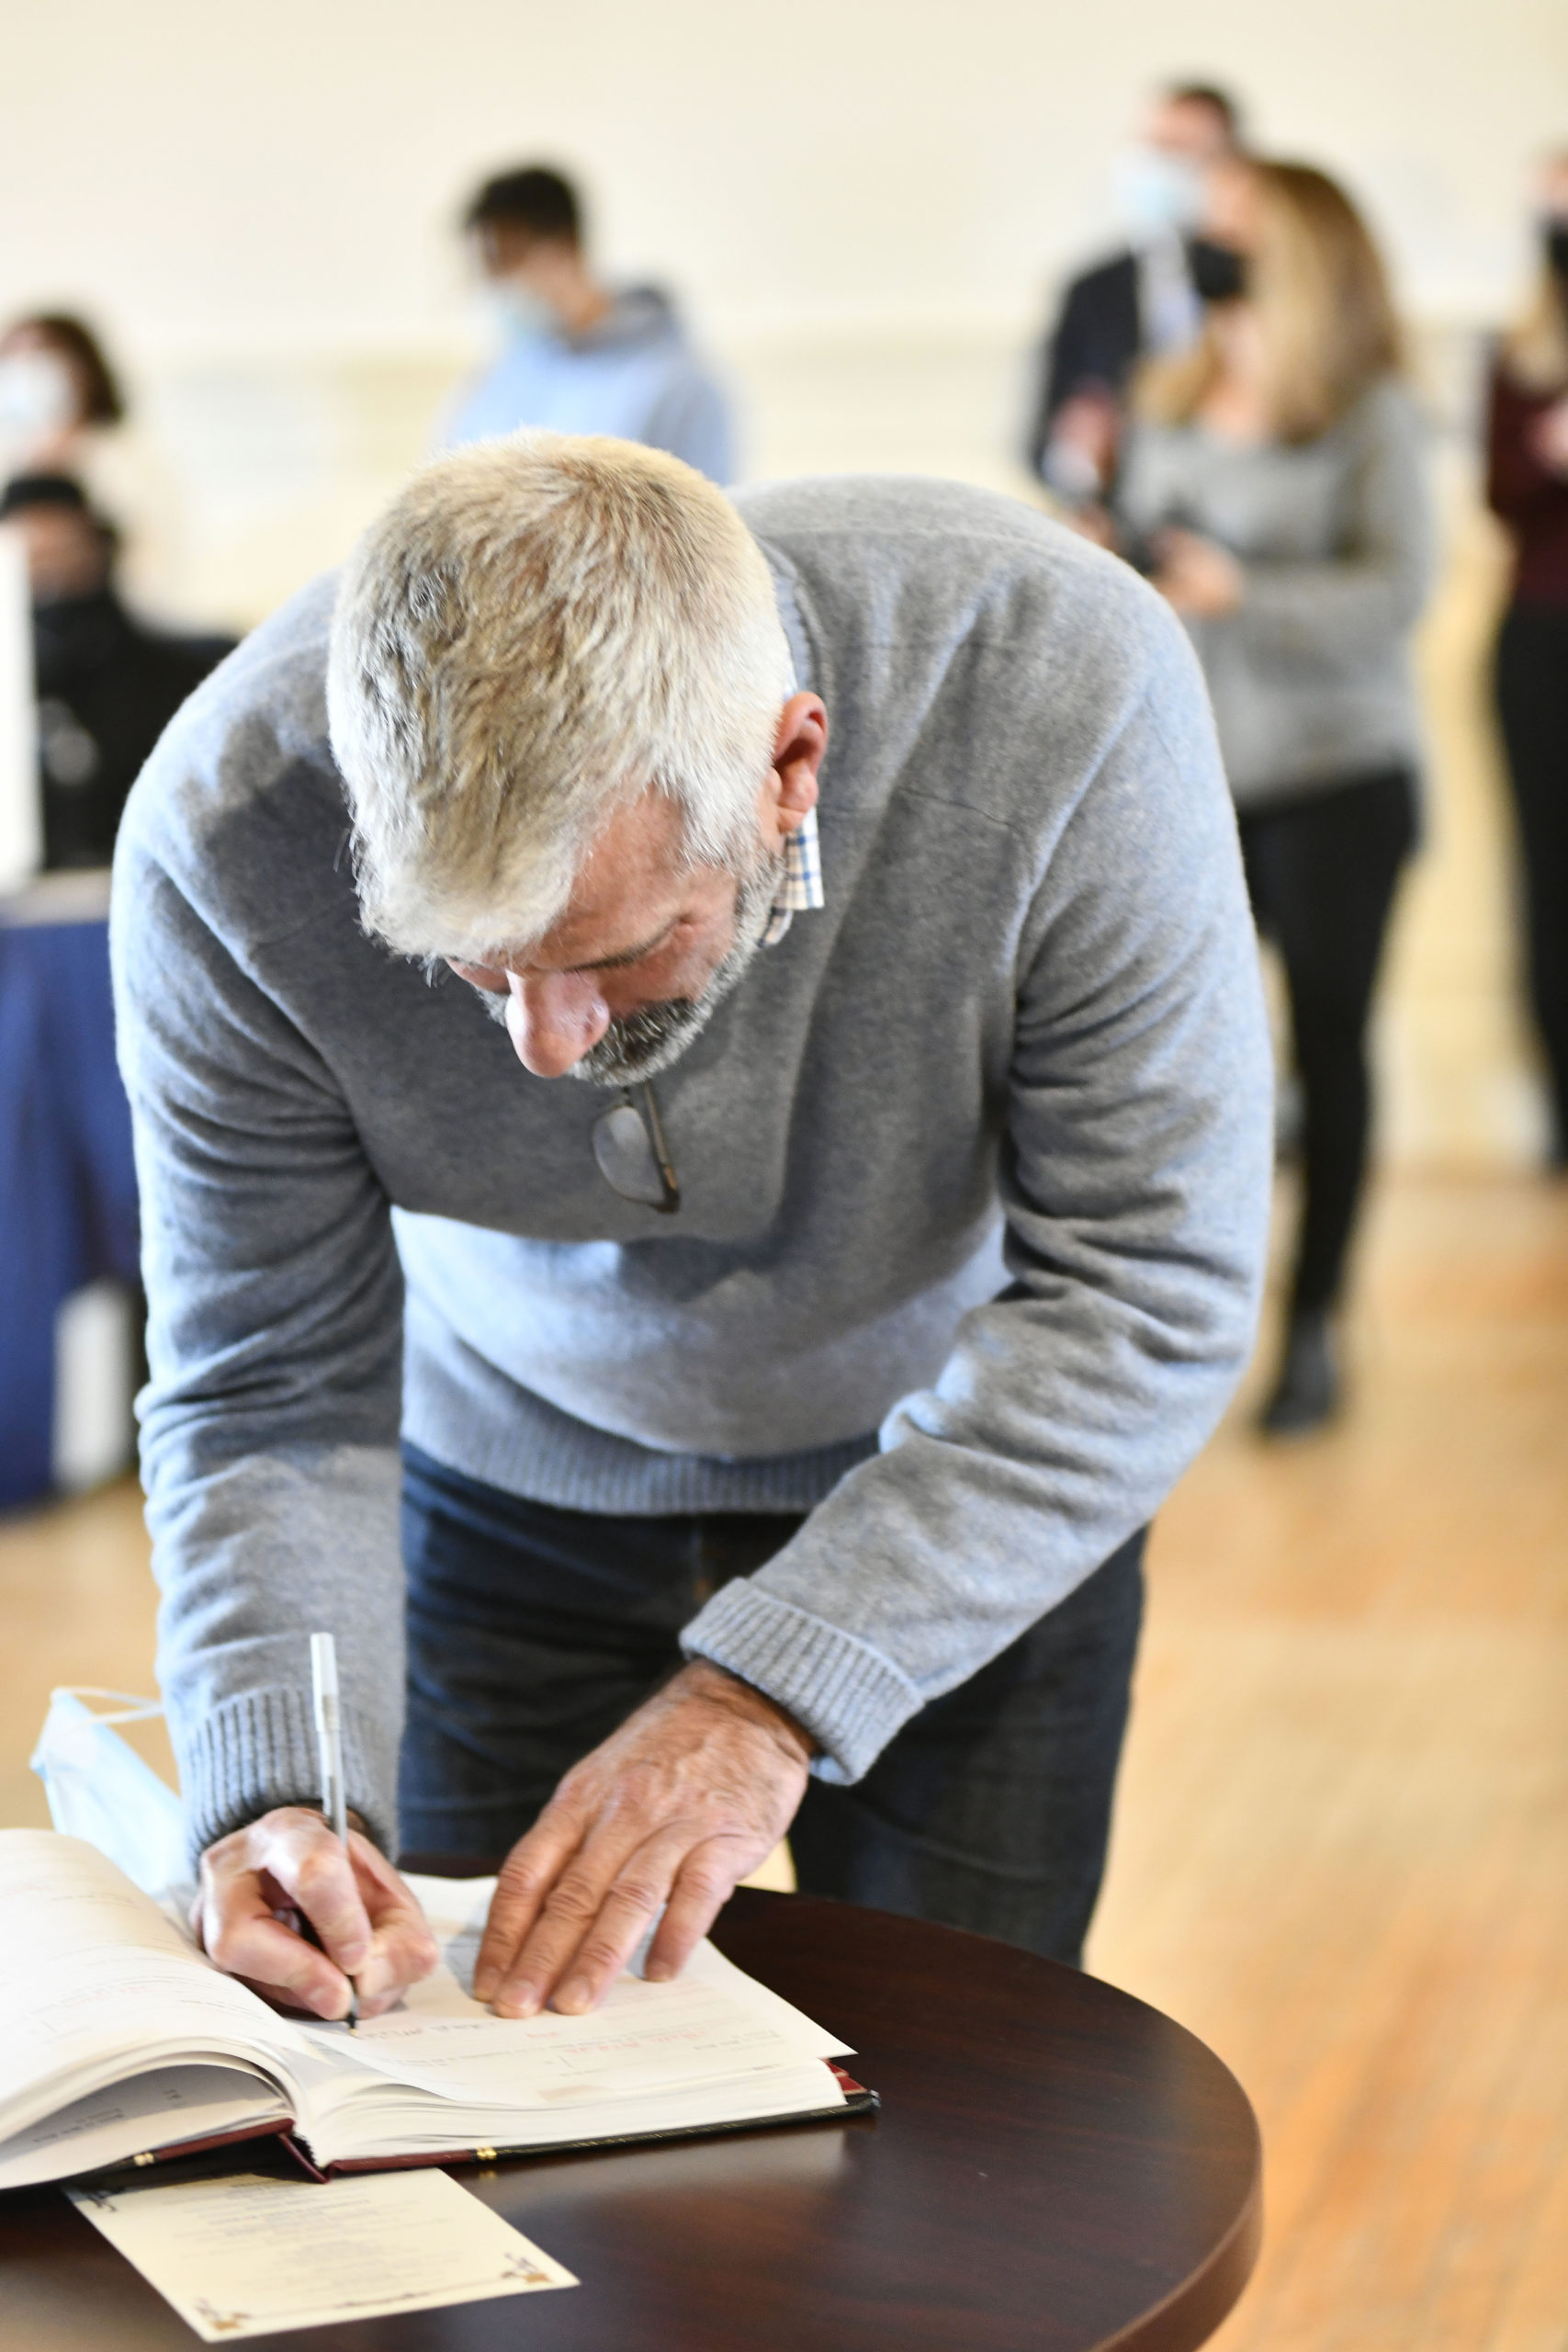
89, 514
1223, 402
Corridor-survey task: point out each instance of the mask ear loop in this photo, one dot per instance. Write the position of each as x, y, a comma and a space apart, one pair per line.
132, 1709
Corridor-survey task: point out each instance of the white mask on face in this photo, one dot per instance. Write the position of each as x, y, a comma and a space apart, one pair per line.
1156, 191
38, 395
512, 309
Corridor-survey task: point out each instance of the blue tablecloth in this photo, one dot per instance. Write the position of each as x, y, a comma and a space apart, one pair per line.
67, 1183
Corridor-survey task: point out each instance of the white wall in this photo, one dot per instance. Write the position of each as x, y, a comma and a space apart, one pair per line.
203, 174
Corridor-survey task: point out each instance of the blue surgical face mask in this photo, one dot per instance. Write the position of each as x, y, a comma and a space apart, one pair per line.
100, 1787
1156, 191
512, 308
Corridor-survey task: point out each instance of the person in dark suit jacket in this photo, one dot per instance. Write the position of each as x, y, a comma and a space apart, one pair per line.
1147, 297
107, 685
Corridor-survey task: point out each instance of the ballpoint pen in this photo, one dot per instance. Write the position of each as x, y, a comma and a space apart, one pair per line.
328, 1741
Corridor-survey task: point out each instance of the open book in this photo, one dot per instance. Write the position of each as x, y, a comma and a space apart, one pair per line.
123, 2043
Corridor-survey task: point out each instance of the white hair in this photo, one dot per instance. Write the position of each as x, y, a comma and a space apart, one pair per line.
537, 631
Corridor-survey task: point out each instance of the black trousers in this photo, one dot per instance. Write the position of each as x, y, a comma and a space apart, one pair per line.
533, 1632
1532, 703
1321, 869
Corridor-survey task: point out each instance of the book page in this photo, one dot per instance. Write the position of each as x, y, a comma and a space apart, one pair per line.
96, 1983
458, 1909
441, 2073
641, 2037
701, 2027
165, 2108
251, 2256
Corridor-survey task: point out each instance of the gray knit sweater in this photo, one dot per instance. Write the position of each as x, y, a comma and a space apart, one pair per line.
1025, 1028
1311, 678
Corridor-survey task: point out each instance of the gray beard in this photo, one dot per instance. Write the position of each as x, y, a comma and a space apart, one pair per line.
643, 1043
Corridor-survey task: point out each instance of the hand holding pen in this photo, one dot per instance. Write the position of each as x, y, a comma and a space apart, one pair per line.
362, 1939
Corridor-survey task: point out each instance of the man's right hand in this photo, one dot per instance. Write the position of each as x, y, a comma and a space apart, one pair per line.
371, 1928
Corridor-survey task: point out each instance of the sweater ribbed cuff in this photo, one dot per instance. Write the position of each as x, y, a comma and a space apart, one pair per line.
259, 1750
843, 1691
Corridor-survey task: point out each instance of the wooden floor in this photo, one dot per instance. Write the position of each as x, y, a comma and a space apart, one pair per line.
1342, 1850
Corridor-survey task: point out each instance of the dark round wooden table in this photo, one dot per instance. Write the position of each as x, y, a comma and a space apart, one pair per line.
1055, 2166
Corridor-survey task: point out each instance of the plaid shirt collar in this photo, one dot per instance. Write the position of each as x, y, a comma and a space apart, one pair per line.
801, 890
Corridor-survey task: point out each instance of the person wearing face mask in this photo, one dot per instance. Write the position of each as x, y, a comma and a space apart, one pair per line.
107, 685
1144, 300
576, 355
1273, 487
1528, 487
63, 411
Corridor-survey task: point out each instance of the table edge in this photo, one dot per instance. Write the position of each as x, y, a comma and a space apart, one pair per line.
1211, 2291
1188, 2314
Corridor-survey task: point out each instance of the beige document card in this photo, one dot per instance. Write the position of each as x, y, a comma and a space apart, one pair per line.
249, 2256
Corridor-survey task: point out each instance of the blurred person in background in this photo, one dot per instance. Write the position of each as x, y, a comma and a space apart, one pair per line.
63, 411
1144, 302
1527, 486
107, 684
578, 355
1274, 490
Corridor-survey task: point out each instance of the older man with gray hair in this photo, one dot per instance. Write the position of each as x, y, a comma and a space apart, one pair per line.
781, 1411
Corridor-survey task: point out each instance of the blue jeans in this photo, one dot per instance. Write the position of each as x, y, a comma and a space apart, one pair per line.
534, 1631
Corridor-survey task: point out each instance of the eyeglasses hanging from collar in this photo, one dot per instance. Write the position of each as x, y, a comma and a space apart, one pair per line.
634, 1160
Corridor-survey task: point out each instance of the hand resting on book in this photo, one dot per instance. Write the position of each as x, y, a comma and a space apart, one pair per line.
675, 1808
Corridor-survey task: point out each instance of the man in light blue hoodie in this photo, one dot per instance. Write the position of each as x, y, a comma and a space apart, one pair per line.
577, 356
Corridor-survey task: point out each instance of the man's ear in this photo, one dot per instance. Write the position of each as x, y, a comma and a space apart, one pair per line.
799, 749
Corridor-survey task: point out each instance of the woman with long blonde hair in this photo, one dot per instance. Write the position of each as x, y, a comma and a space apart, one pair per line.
1274, 489
1527, 486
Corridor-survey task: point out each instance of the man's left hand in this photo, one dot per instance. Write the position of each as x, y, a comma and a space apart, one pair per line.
675, 1808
